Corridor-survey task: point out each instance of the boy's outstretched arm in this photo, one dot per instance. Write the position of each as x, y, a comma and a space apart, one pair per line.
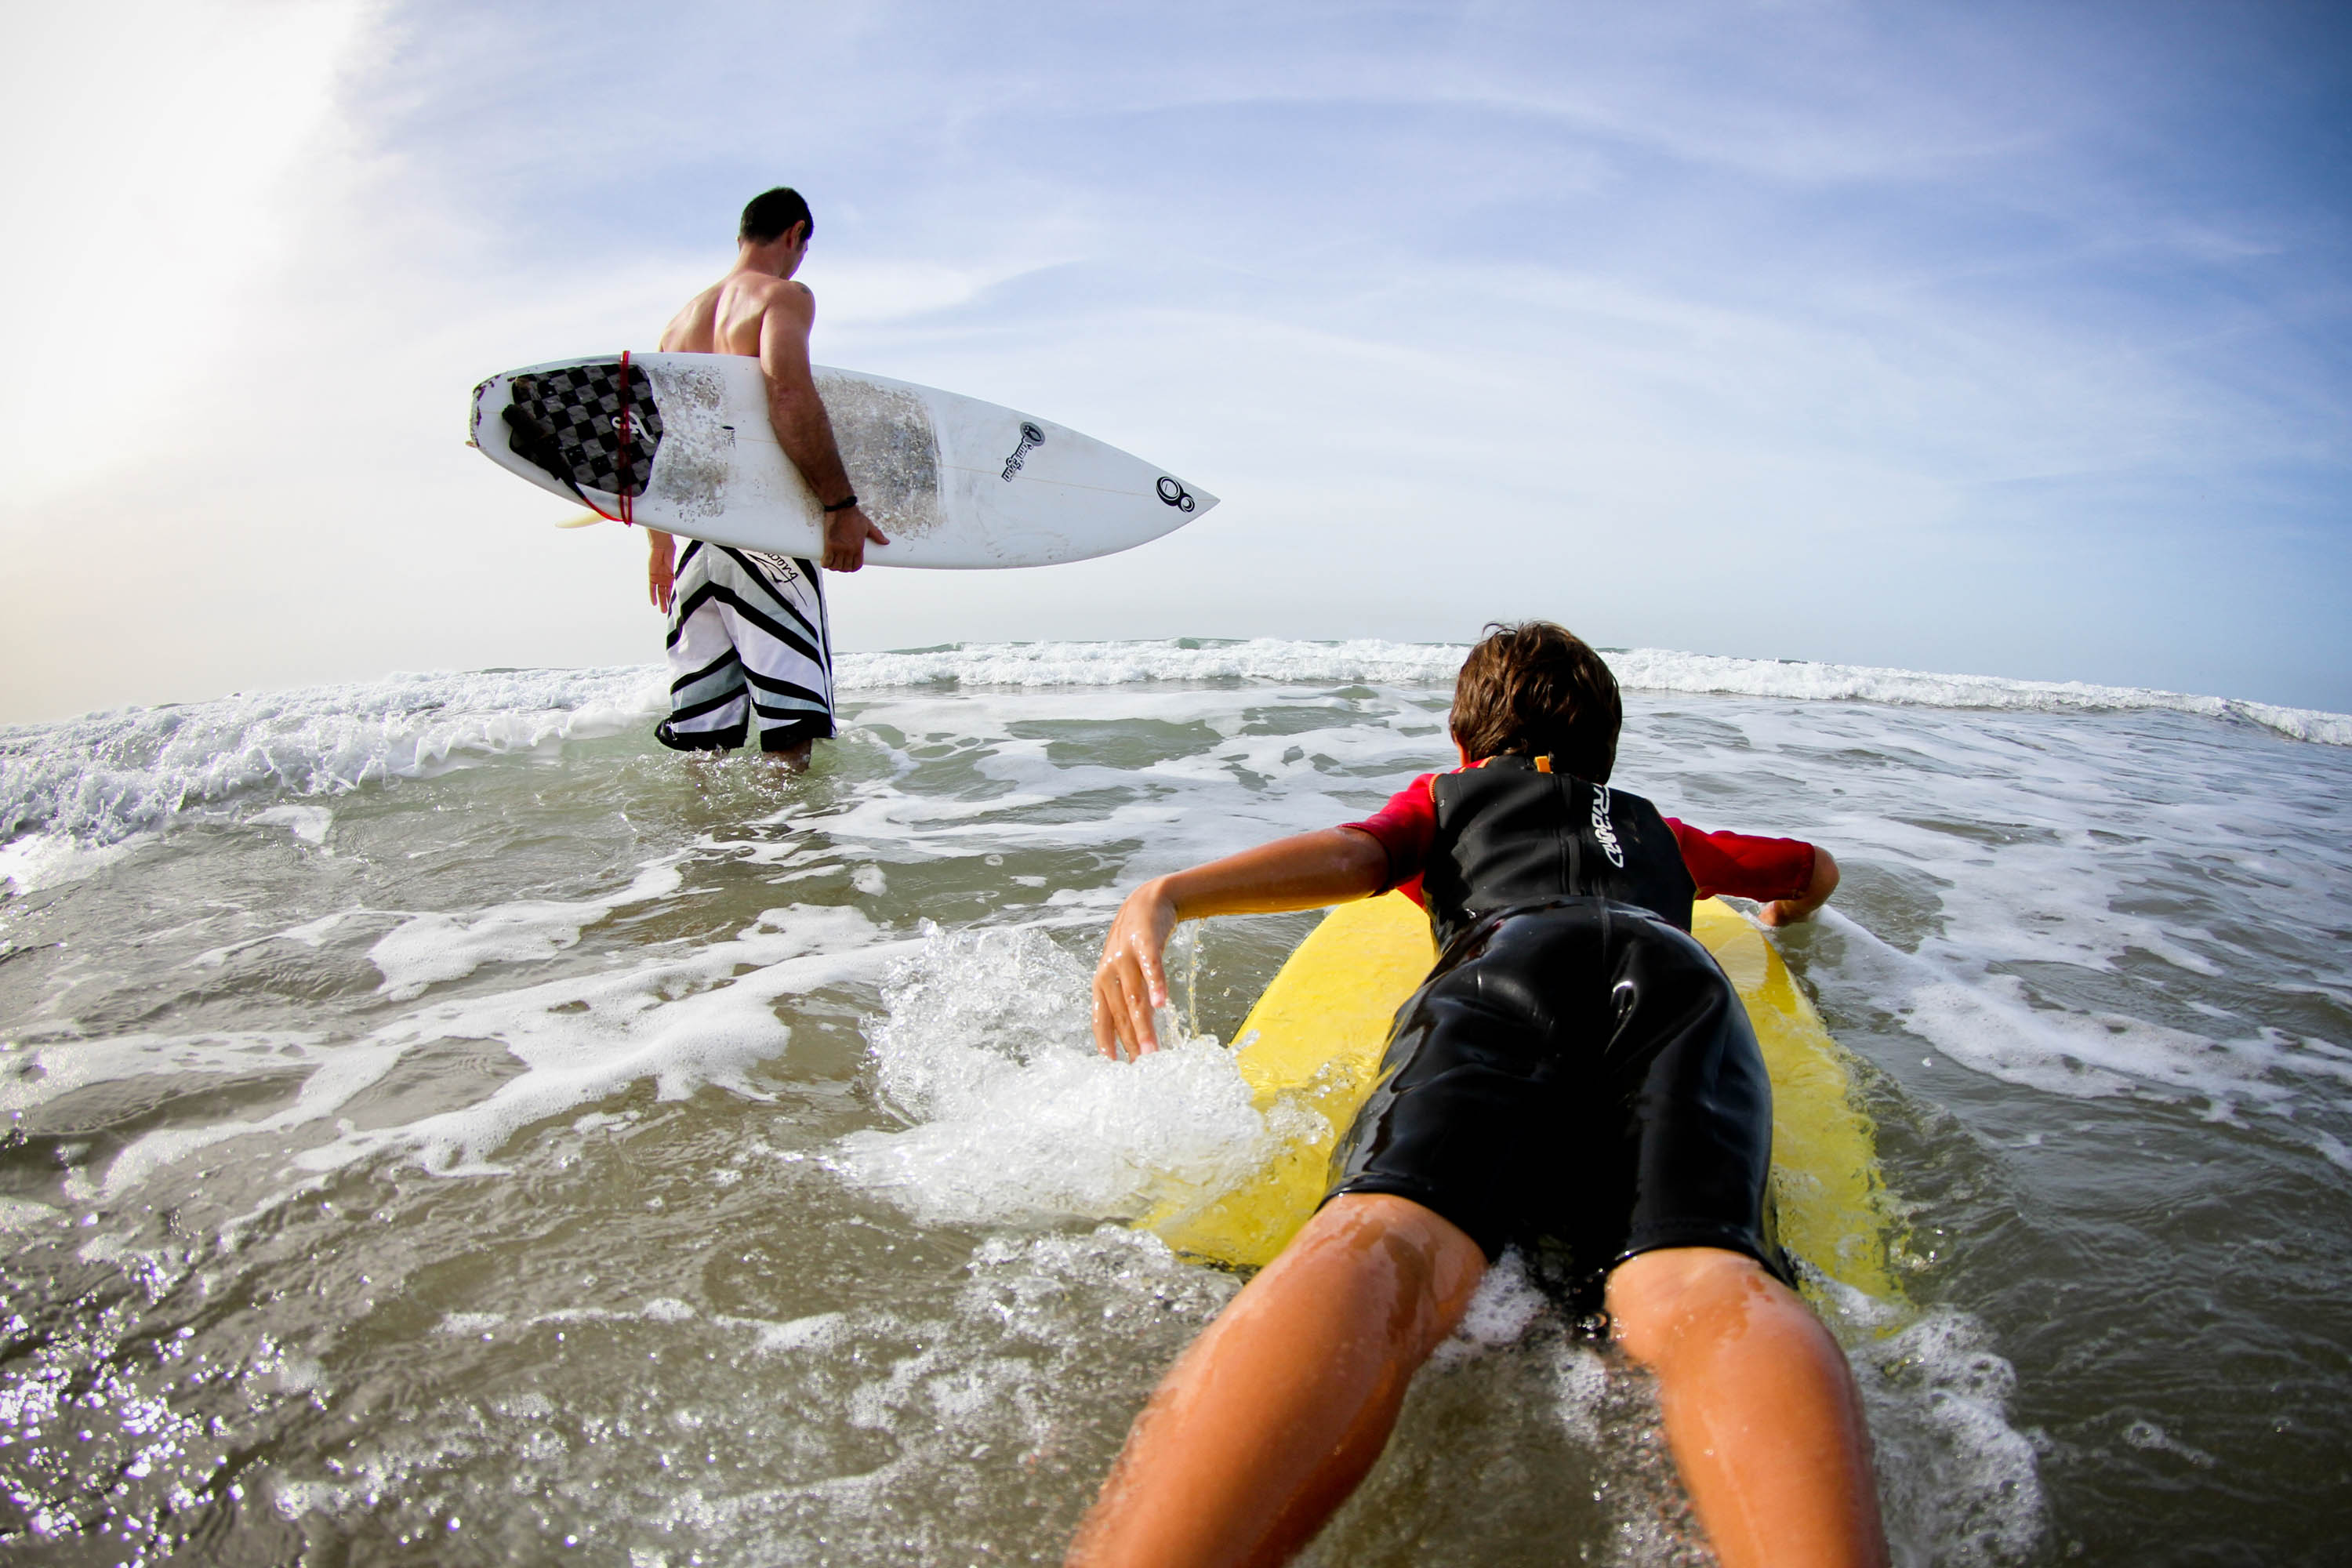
1332, 866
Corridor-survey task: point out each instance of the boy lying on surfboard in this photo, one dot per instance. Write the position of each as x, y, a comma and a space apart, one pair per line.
1576, 1067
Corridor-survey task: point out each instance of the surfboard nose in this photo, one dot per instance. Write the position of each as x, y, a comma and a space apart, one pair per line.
1189, 502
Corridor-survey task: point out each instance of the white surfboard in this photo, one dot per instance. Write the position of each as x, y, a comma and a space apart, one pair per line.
955, 482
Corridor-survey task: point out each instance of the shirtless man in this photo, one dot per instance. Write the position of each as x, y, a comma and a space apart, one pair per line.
748, 639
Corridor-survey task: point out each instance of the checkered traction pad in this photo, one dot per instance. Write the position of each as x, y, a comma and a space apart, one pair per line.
567, 422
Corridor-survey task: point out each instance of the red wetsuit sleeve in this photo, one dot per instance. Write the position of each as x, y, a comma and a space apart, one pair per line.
1405, 828
1745, 867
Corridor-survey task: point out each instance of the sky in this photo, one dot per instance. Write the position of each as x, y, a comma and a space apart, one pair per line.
2009, 338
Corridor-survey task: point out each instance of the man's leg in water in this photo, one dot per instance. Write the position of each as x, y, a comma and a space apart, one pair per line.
1761, 1411
1274, 1413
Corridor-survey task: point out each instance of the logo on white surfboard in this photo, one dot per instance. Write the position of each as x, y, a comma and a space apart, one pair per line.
1030, 437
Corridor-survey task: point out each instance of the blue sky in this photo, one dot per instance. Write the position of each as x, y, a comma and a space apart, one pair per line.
2009, 338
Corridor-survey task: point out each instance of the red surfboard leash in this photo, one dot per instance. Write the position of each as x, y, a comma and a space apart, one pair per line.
628, 466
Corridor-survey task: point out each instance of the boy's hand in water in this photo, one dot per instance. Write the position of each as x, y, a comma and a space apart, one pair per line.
1788, 911
1305, 872
1130, 981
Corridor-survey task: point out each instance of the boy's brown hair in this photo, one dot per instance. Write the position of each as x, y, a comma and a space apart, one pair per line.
1536, 690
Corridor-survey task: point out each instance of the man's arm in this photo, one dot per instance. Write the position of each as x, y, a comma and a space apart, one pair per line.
803, 429
1305, 872
661, 568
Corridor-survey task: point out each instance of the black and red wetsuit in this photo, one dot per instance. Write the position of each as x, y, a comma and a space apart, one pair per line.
1576, 1070
1737, 863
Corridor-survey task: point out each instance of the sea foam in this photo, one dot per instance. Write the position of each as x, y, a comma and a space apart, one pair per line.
680, 1017
69, 787
105, 775
1370, 661
985, 1049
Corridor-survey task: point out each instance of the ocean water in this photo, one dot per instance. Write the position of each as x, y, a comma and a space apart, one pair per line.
443, 1127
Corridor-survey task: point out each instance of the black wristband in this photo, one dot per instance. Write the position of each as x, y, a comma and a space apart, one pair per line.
844, 503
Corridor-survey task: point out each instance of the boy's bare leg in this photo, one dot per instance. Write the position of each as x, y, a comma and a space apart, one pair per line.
1762, 1414
1274, 1413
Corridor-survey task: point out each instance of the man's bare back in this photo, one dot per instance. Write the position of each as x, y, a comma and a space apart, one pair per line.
727, 317
759, 312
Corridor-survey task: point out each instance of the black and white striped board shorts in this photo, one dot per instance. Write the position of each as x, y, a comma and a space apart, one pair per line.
748, 641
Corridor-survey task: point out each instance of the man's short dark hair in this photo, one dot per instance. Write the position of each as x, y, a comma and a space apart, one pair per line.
1537, 689
770, 216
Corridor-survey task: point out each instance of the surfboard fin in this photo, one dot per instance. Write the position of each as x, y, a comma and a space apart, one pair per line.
583, 519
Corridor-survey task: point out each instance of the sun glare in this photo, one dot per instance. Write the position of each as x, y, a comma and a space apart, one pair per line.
153, 180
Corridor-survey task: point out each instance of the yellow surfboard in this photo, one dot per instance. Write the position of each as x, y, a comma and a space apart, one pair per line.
1313, 1041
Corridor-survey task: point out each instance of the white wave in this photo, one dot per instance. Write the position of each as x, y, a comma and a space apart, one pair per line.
681, 1018
987, 1048
1960, 1483
1992, 1022
45, 860
98, 779
25, 1214
425, 949
308, 823
1657, 669
1370, 661
39, 1074
101, 778
1366, 659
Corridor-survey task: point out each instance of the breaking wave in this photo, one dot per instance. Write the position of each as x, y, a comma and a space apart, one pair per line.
1370, 661
93, 781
